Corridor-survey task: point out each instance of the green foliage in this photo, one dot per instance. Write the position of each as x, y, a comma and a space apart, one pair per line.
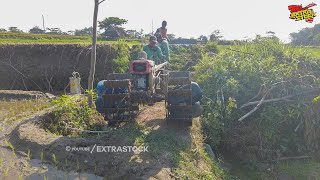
215, 35
36, 30
91, 92
15, 30
13, 110
316, 99
84, 32
72, 113
26, 36
18, 38
135, 50
183, 58
301, 169
232, 78
121, 63
212, 46
114, 21
307, 36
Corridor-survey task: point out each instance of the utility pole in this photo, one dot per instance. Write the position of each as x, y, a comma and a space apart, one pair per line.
44, 28
93, 51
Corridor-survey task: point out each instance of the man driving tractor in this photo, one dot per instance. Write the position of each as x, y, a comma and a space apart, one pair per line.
154, 51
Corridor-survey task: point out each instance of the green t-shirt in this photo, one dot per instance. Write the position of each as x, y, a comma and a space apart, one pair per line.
154, 54
164, 45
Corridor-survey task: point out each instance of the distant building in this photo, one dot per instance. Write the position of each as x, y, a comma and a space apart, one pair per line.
113, 32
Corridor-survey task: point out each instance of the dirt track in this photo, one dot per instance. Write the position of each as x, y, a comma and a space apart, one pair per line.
144, 165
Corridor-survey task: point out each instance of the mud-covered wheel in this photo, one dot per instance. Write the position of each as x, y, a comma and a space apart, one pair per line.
112, 122
108, 118
188, 123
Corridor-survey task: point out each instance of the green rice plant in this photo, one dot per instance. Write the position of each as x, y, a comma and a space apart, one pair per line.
12, 164
1, 162
29, 154
95, 168
6, 172
12, 111
10, 145
54, 158
20, 177
41, 157
78, 166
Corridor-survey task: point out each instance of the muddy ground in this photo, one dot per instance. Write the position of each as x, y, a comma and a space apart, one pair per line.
53, 155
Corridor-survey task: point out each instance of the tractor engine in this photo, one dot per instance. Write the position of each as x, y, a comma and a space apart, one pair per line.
142, 82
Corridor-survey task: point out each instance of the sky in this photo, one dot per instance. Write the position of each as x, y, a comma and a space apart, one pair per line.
186, 18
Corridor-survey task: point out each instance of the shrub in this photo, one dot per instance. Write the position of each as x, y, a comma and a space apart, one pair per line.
212, 47
121, 63
263, 68
72, 115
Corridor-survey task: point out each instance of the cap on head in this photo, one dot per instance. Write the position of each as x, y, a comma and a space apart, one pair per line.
153, 39
142, 55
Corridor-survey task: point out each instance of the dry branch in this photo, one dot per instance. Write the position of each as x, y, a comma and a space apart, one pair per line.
101, 1
21, 74
257, 94
254, 109
280, 99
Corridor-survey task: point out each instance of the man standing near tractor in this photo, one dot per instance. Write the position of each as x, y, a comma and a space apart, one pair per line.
153, 51
163, 30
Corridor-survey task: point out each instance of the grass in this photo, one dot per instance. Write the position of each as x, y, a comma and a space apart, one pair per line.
194, 162
183, 150
11, 111
15, 35
188, 156
5, 165
301, 169
26, 38
14, 110
60, 41
314, 51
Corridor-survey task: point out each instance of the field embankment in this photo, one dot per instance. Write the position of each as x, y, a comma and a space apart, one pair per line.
47, 67
27, 38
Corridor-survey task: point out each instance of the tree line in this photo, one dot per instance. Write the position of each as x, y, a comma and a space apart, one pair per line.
87, 31
103, 26
307, 36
